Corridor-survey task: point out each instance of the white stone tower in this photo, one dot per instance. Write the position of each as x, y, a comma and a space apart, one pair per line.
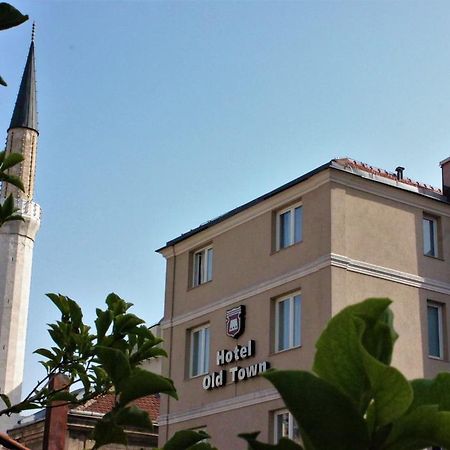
17, 240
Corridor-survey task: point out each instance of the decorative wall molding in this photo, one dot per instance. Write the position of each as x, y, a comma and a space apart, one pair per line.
386, 273
334, 260
240, 296
229, 404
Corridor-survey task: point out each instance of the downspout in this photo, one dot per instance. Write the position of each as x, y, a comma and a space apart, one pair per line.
171, 336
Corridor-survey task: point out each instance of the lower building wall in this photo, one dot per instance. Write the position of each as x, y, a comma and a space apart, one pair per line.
224, 427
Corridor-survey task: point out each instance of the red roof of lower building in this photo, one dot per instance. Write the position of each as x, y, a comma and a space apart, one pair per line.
104, 403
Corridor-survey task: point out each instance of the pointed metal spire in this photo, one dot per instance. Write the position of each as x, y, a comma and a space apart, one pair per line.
25, 113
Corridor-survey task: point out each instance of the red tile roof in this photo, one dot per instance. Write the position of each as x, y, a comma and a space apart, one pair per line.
104, 403
351, 163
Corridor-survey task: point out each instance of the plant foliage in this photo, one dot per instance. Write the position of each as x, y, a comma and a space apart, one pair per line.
7, 208
104, 360
356, 400
10, 17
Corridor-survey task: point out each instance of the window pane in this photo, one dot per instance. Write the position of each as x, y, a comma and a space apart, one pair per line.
434, 347
198, 268
195, 353
298, 225
285, 226
282, 426
429, 237
295, 432
283, 325
205, 367
297, 321
209, 264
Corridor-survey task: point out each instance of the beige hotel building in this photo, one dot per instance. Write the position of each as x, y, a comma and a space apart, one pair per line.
255, 287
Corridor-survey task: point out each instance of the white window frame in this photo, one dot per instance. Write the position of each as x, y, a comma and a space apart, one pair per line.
203, 347
292, 323
204, 428
439, 307
206, 270
434, 227
291, 422
292, 241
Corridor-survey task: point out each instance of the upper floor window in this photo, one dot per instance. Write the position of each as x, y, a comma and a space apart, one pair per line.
289, 226
202, 264
435, 330
288, 322
285, 426
199, 361
430, 236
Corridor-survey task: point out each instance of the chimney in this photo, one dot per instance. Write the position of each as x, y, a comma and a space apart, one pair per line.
399, 171
445, 166
56, 417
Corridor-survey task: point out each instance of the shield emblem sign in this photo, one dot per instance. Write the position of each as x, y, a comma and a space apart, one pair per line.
235, 321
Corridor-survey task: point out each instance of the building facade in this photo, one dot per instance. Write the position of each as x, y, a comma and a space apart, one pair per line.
255, 287
17, 240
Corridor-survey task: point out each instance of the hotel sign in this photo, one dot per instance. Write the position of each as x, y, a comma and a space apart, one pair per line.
235, 321
235, 326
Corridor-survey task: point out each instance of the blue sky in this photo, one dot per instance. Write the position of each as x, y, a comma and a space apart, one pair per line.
157, 116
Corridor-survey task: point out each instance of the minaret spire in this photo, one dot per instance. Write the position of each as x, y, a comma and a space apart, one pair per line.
17, 239
25, 112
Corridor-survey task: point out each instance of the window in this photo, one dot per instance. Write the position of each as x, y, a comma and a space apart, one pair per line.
289, 226
430, 236
285, 426
202, 266
435, 334
287, 322
199, 351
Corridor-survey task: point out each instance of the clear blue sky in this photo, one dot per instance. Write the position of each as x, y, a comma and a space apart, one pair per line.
157, 116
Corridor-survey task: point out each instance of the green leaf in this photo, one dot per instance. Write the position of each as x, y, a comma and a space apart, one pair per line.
107, 432
75, 312
45, 353
11, 179
116, 365
392, 394
10, 16
60, 302
142, 383
202, 446
85, 380
314, 402
359, 333
283, 444
125, 323
103, 322
116, 304
11, 160
135, 417
6, 400
432, 392
423, 427
184, 439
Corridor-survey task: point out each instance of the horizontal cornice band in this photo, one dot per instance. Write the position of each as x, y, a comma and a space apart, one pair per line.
307, 269
230, 404
333, 260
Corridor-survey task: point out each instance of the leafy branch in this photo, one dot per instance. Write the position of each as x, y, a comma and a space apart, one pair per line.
106, 360
10, 17
7, 209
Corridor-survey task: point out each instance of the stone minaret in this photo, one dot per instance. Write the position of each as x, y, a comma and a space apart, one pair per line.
17, 240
